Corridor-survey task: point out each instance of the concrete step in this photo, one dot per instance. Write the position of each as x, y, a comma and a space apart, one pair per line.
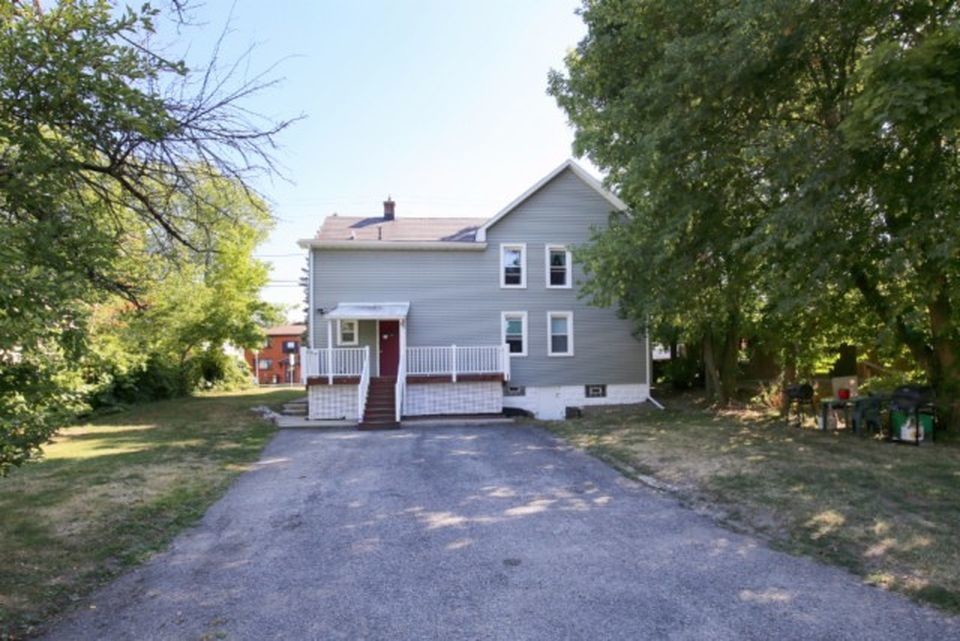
294, 409
372, 425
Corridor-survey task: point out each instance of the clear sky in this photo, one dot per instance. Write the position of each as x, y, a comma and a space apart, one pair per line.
441, 104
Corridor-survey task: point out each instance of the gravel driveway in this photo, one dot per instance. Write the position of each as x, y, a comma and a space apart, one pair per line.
474, 533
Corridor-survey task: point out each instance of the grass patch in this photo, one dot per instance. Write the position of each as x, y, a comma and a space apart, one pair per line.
111, 492
887, 512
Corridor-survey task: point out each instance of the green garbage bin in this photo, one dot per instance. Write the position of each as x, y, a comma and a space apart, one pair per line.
899, 418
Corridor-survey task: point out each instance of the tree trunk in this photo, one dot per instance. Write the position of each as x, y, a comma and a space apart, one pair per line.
944, 363
720, 365
711, 372
730, 364
788, 376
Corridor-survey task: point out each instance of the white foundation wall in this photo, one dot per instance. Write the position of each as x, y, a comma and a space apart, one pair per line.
550, 403
332, 402
453, 398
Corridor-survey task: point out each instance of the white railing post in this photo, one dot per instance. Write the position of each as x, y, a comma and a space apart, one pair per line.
329, 352
505, 358
364, 384
453, 362
303, 365
400, 387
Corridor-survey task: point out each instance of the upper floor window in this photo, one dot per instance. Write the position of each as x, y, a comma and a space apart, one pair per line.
289, 347
513, 265
558, 266
266, 363
514, 332
560, 333
347, 333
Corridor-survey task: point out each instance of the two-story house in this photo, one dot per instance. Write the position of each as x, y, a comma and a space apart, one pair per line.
451, 316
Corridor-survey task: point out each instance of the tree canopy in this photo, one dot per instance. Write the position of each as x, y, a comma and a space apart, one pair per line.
789, 165
124, 178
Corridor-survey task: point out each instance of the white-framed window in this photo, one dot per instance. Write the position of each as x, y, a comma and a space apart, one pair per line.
513, 265
266, 363
513, 328
558, 267
559, 333
595, 391
347, 332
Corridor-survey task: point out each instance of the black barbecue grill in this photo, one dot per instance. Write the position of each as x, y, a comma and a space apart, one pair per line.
799, 395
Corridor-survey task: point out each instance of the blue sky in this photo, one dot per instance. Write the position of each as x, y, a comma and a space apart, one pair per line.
440, 104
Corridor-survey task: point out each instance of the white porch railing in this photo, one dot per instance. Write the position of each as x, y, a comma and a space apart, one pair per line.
364, 385
340, 361
453, 360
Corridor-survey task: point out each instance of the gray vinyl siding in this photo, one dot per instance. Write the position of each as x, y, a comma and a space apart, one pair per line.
368, 338
455, 296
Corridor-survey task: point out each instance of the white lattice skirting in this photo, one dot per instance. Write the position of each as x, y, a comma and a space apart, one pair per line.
332, 402
453, 398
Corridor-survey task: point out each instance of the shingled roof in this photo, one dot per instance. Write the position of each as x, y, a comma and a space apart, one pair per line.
286, 330
399, 229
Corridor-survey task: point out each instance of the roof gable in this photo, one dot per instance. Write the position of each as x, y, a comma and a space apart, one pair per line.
578, 171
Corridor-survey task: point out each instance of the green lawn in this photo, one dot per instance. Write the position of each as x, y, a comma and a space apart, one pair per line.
890, 513
110, 492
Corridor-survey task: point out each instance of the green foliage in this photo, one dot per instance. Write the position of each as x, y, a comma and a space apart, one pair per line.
683, 372
792, 170
192, 306
214, 370
122, 188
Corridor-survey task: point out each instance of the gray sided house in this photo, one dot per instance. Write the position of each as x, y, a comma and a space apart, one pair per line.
441, 316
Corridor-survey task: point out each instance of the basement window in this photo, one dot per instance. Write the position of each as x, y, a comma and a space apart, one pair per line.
595, 391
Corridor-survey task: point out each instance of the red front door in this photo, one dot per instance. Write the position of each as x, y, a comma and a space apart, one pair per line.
389, 347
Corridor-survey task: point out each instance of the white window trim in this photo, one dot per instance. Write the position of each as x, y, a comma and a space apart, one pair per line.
569, 266
356, 333
503, 331
523, 265
569, 317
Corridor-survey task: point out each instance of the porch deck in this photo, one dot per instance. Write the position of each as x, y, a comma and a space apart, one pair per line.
467, 380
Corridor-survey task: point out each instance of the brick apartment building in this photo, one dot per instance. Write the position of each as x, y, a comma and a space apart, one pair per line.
279, 360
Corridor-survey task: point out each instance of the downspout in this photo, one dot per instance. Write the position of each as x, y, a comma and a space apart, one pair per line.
310, 310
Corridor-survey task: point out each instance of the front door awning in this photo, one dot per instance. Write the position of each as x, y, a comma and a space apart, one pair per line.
368, 311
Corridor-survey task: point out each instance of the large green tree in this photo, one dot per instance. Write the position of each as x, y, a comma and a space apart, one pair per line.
107, 152
646, 113
833, 127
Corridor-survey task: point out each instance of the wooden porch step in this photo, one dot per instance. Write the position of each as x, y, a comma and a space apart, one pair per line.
380, 410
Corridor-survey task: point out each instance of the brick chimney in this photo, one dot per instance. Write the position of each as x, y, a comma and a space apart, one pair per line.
388, 206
